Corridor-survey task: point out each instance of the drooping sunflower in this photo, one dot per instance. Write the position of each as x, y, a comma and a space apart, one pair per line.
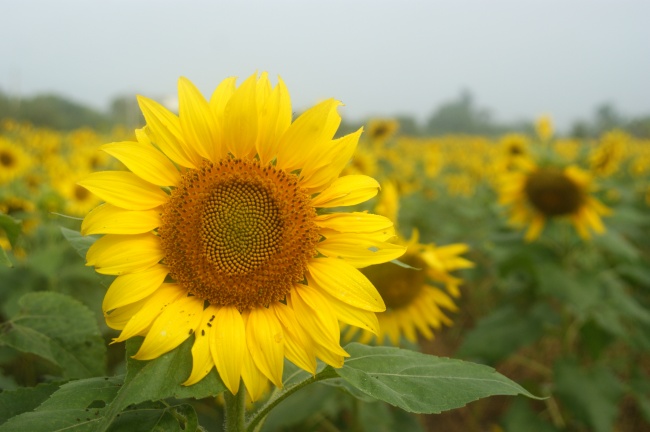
541, 193
219, 231
419, 298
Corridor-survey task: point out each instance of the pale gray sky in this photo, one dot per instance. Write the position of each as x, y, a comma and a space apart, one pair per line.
519, 58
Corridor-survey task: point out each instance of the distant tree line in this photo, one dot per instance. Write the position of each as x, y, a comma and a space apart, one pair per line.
458, 116
56, 112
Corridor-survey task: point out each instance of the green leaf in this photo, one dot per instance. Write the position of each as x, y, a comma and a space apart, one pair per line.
505, 330
76, 406
77, 241
24, 399
150, 417
422, 383
11, 227
160, 379
61, 330
617, 245
591, 394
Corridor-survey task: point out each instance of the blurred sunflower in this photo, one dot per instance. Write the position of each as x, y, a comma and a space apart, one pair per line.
77, 200
217, 231
13, 161
416, 298
544, 127
539, 193
380, 130
513, 148
606, 158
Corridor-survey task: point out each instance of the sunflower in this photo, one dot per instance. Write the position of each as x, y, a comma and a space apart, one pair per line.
77, 200
606, 158
13, 161
540, 193
380, 130
218, 233
417, 297
544, 127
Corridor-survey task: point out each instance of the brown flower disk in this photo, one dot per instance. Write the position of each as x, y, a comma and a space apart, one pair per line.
238, 234
553, 193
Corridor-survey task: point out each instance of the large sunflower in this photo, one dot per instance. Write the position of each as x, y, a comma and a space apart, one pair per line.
217, 231
541, 193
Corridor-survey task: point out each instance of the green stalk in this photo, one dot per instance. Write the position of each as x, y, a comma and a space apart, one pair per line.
235, 409
260, 415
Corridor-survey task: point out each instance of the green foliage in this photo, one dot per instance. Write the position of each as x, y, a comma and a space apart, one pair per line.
75, 406
593, 394
422, 383
60, 330
11, 228
159, 379
505, 330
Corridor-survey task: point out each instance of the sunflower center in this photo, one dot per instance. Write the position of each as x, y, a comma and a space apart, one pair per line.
6, 159
238, 234
553, 193
397, 285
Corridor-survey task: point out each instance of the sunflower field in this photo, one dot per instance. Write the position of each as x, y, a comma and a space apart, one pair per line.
527, 254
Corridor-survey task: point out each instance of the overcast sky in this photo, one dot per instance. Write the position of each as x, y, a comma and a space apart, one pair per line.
519, 58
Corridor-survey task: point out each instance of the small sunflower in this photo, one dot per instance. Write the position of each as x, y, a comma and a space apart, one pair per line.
544, 127
218, 231
541, 193
417, 298
380, 130
77, 200
13, 161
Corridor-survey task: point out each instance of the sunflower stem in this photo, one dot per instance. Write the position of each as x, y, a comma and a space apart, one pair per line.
235, 409
259, 416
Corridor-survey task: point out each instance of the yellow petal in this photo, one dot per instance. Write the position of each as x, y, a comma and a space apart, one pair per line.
108, 219
359, 250
240, 119
175, 324
145, 161
317, 317
535, 228
117, 254
265, 341
164, 129
342, 281
118, 318
202, 362
318, 173
132, 287
297, 346
355, 222
330, 358
274, 120
351, 315
228, 345
124, 189
221, 96
309, 135
346, 191
197, 121
254, 379
151, 309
